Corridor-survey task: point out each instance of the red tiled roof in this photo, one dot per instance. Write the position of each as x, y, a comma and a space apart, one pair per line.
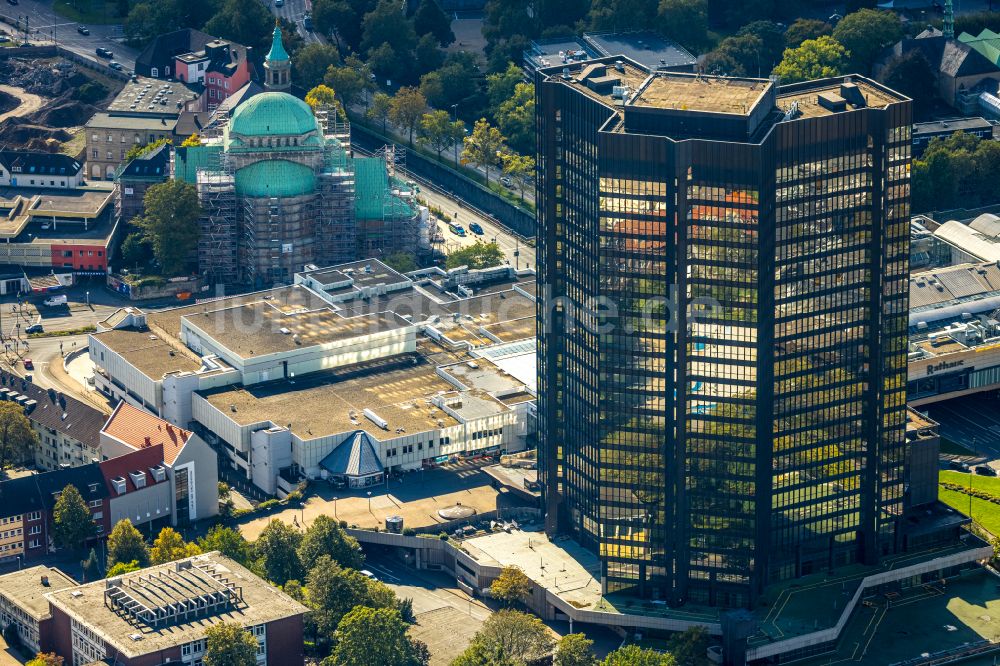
140, 429
137, 461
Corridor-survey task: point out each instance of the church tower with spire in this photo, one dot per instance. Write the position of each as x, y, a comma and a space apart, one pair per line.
277, 65
948, 26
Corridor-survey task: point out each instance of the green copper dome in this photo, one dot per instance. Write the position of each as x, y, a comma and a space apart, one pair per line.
277, 51
273, 114
275, 178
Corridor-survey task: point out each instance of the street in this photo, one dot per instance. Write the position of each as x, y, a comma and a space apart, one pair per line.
295, 11
972, 421
47, 26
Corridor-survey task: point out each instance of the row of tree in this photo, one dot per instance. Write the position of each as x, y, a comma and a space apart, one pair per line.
960, 171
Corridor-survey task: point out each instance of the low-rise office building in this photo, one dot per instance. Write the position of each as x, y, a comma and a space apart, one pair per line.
924, 133
138, 489
23, 604
160, 615
355, 357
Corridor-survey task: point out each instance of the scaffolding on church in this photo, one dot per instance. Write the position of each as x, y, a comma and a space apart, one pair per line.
217, 247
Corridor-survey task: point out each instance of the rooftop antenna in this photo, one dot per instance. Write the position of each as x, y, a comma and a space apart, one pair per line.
948, 26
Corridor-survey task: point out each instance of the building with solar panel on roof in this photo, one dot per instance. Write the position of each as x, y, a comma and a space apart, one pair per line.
280, 190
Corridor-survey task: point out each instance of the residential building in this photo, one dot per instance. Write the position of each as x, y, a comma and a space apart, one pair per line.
736, 416
145, 111
134, 178
277, 381
161, 614
924, 133
221, 67
138, 489
279, 190
191, 467
23, 604
30, 168
171, 55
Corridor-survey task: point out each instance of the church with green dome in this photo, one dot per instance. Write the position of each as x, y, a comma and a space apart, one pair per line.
280, 190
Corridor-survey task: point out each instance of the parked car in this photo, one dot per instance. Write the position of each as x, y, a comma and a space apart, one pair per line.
365, 572
457, 229
53, 301
103, 52
955, 465
475, 228
307, 22
83, 30
279, 3
116, 65
34, 328
506, 181
985, 470
28, 364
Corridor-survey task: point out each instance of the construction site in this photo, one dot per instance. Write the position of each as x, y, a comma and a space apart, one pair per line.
281, 190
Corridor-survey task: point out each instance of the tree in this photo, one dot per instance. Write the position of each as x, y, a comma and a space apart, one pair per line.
347, 83
72, 522
516, 118
91, 567
170, 224
633, 655
805, 28
144, 149
311, 63
865, 34
428, 54
46, 659
477, 255
148, 19
341, 19
429, 19
374, 637
909, 74
229, 644
90, 92
333, 591
438, 132
126, 544
622, 15
277, 547
385, 26
122, 568
379, 111
685, 21
169, 546
689, 646
511, 586
508, 637
227, 541
17, 439
575, 650
500, 86
192, 141
326, 537
245, 22
519, 168
321, 97
406, 110
813, 59
483, 146
135, 251
401, 262
772, 44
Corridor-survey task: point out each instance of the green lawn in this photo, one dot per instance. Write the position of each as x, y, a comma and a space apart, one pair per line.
990, 484
985, 513
89, 11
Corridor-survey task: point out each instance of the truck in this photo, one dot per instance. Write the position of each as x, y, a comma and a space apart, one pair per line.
53, 301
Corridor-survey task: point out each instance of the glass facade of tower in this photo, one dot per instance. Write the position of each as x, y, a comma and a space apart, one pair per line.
722, 326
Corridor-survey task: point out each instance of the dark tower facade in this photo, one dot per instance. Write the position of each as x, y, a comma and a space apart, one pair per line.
722, 325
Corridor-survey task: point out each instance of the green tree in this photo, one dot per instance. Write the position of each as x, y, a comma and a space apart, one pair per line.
865, 34
144, 149
90, 92
516, 118
772, 45
229, 644
380, 108
342, 20
500, 86
311, 63
72, 522
813, 59
135, 251
432, 88
407, 108
512, 586
277, 547
622, 15
347, 82
689, 646
633, 655
170, 224
169, 545
332, 591
17, 439
326, 537
125, 544
519, 168
429, 19
387, 25
805, 28
246, 22
483, 146
685, 21
507, 637
227, 541
374, 637
148, 19
91, 567
477, 255
122, 568
428, 54
439, 133
909, 74
401, 262
575, 650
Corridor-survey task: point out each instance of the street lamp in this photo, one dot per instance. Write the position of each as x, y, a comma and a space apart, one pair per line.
335, 510
370, 502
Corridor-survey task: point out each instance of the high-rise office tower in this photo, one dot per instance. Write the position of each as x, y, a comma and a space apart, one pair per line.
722, 325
